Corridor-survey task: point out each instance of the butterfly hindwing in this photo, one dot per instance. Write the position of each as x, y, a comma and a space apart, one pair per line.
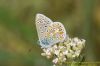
56, 32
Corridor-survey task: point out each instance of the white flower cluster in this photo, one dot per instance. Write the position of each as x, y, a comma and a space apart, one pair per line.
61, 52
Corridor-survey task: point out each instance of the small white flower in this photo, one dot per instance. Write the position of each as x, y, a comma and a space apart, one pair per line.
65, 52
48, 52
71, 51
43, 54
61, 47
56, 52
64, 59
55, 61
73, 43
77, 53
75, 48
55, 46
74, 56
75, 39
80, 46
68, 46
44, 50
48, 57
69, 55
61, 54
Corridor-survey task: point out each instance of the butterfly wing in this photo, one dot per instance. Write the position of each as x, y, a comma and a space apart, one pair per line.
56, 33
49, 32
42, 23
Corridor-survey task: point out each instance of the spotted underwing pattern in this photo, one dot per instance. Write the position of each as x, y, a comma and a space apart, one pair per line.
49, 32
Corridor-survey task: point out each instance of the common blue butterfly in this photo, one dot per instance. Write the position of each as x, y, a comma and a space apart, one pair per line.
49, 32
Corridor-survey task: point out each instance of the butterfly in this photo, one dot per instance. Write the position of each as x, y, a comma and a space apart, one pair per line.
49, 32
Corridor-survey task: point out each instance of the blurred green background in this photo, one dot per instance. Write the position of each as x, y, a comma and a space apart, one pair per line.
18, 35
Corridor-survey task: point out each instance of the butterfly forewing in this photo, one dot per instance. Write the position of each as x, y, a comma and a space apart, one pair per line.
42, 23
